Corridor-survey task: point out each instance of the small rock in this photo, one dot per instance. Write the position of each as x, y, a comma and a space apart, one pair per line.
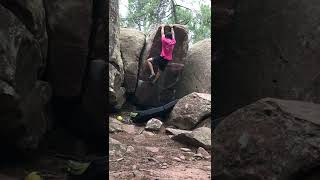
153, 125
182, 157
139, 138
115, 125
177, 159
200, 137
164, 167
185, 149
147, 133
203, 152
134, 167
130, 149
152, 149
170, 136
164, 164
176, 131
159, 157
198, 156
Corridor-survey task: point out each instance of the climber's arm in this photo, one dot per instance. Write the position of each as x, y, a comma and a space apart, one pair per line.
162, 30
172, 32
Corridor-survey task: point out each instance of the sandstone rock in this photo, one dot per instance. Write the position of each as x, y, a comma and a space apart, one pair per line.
196, 75
190, 110
268, 139
147, 133
176, 131
22, 95
69, 25
131, 42
153, 125
278, 70
176, 159
166, 85
200, 137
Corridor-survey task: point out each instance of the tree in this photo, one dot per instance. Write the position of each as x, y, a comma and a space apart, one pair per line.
144, 14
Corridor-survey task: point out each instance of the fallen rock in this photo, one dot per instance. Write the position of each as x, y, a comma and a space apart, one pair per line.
152, 149
176, 131
153, 125
131, 42
190, 110
200, 137
203, 152
196, 75
282, 134
205, 123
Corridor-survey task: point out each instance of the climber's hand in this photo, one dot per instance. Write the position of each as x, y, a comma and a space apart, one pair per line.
162, 25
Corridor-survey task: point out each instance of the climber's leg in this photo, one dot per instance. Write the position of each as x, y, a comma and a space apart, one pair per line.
150, 67
156, 78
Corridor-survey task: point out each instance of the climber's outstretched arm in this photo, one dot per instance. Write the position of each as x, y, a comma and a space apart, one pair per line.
162, 30
172, 32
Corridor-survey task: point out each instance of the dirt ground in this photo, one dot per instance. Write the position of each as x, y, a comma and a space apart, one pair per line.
153, 158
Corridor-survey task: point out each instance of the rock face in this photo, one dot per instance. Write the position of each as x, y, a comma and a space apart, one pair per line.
131, 42
69, 30
116, 92
32, 14
200, 137
190, 111
196, 75
269, 139
166, 85
260, 60
116, 72
22, 95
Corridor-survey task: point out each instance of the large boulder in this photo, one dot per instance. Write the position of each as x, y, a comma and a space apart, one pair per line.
269, 139
116, 92
22, 95
196, 75
166, 86
32, 14
116, 72
131, 42
190, 111
270, 50
69, 29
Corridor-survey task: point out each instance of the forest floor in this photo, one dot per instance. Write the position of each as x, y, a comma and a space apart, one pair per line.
138, 154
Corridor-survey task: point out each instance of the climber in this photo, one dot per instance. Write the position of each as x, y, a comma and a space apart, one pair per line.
168, 41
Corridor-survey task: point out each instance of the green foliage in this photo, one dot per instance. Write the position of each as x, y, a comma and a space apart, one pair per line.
145, 14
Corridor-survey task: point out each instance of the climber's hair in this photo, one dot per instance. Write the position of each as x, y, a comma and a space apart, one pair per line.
168, 35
